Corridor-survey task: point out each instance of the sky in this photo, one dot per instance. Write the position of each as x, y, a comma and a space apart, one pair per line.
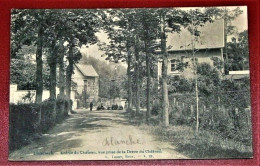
240, 22
93, 50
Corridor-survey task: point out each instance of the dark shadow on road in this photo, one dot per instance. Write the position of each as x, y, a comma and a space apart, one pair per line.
62, 136
125, 118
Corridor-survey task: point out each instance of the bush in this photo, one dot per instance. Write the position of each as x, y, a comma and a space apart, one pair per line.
156, 109
48, 119
28, 120
23, 123
180, 111
218, 100
180, 84
60, 109
68, 107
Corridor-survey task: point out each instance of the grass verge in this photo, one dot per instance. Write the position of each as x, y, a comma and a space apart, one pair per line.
202, 144
198, 145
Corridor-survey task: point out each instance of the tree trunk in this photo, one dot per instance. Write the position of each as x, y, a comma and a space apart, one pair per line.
52, 81
61, 82
196, 77
148, 95
130, 95
52, 61
137, 79
197, 103
61, 77
165, 102
69, 72
39, 66
225, 52
53, 66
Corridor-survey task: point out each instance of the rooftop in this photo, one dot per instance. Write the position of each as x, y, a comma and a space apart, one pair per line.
211, 36
240, 72
237, 75
87, 70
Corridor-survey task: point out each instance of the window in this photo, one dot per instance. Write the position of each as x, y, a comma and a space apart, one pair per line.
174, 65
85, 83
90, 83
196, 60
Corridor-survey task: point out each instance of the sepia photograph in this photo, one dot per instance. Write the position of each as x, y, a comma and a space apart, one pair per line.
129, 84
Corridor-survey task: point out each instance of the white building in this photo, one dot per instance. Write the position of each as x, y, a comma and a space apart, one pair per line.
208, 45
87, 79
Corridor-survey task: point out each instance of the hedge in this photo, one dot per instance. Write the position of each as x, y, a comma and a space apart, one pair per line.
29, 120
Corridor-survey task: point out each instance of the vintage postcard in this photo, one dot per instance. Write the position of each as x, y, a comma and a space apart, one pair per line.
129, 84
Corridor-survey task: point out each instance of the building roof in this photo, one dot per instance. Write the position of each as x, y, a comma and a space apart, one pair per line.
237, 75
211, 36
240, 72
87, 70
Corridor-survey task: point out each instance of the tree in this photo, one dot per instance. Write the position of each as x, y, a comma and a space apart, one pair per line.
39, 68
23, 74
61, 54
73, 56
196, 19
149, 25
106, 72
208, 79
56, 37
114, 90
137, 73
52, 62
143, 28
24, 32
171, 20
120, 32
243, 46
80, 28
228, 16
23, 70
238, 52
165, 102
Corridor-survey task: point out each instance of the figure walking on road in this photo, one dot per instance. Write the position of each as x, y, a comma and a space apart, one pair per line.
91, 106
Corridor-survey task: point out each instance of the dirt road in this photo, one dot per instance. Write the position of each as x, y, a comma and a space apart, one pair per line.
96, 135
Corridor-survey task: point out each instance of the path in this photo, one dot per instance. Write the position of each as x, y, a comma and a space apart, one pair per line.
97, 135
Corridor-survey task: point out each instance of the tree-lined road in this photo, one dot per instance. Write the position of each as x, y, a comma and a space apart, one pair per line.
97, 135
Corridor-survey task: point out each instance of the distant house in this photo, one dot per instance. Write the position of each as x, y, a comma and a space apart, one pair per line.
87, 80
209, 45
28, 96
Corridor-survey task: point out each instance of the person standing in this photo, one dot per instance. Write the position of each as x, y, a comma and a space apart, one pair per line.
91, 106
